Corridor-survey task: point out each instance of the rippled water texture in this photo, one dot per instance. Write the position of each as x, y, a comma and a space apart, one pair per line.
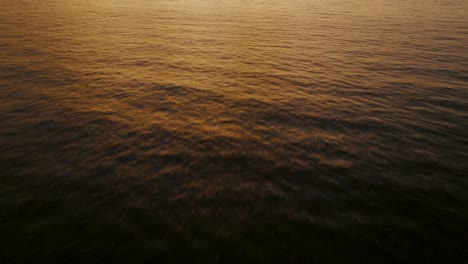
233, 131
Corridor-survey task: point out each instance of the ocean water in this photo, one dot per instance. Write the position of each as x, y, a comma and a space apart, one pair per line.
234, 131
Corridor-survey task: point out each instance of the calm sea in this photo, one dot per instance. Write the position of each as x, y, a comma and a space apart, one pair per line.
234, 131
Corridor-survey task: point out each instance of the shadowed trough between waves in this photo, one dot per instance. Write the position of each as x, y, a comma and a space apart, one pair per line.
212, 130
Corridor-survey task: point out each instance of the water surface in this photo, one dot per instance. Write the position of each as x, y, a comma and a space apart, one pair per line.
240, 130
